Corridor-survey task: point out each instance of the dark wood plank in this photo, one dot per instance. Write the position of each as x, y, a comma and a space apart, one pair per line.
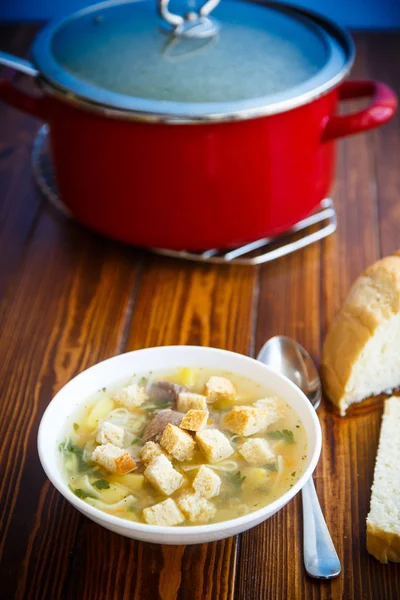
386, 145
67, 310
177, 303
19, 201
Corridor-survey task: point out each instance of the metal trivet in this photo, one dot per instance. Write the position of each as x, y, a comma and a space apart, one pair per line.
308, 231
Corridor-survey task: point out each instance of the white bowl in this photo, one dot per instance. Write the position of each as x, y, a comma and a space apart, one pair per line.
74, 393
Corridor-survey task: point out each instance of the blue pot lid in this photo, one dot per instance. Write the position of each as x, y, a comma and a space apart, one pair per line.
265, 58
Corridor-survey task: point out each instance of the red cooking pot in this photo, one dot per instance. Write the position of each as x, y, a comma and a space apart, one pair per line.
194, 131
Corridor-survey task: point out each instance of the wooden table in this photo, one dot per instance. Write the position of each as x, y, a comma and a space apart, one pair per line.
70, 298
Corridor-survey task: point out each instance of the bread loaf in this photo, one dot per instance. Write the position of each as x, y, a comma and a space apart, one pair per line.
383, 521
361, 354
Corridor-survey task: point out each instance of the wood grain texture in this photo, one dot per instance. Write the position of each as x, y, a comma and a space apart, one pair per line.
67, 310
69, 298
19, 201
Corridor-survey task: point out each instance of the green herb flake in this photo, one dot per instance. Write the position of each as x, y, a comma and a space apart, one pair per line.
80, 493
74, 449
143, 381
294, 474
159, 406
131, 508
69, 447
101, 484
237, 479
297, 426
103, 389
272, 466
76, 426
286, 435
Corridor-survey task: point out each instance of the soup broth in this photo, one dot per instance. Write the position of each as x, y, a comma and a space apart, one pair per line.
184, 447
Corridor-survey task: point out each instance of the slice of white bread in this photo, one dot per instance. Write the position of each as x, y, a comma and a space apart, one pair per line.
361, 354
383, 521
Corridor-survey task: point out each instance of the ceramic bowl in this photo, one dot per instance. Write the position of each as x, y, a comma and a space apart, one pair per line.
68, 400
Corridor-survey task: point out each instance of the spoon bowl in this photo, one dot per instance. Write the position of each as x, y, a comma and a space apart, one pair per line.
289, 358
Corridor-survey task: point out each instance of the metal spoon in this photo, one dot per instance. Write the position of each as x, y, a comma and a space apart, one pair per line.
287, 357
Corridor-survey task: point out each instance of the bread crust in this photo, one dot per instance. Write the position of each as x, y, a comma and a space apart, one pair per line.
125, 464
373, 299
383, 545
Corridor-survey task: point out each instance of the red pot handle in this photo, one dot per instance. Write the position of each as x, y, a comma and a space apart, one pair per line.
382, 108
32, 105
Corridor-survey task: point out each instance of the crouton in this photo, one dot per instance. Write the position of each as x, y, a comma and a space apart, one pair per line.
178, 443
113, 459
132, 396
219, 388
164, 513
207, 483
275, 410
194, 420
188, 401
149, 451
162, 475
110, 433
214, 445
256, 451
246, 420
196, 508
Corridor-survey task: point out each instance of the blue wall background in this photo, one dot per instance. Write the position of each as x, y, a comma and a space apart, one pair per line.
356, 14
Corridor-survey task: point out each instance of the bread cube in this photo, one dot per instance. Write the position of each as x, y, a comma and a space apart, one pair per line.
187, 401
149, 451
164, 513
162, 475
110, 433
276, 410
132, 396
207, 483
113, 459
194, 420
214, 445
178, 443
196, 508
246, 420
219, 388
256, 451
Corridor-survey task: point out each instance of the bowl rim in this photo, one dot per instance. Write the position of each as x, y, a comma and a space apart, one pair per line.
187, 530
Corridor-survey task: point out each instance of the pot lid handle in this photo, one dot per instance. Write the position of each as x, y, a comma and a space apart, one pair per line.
191, 24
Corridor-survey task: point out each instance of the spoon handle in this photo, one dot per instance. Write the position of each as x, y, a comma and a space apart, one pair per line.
320, 557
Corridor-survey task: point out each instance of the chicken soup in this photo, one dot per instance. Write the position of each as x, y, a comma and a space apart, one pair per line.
186, 447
